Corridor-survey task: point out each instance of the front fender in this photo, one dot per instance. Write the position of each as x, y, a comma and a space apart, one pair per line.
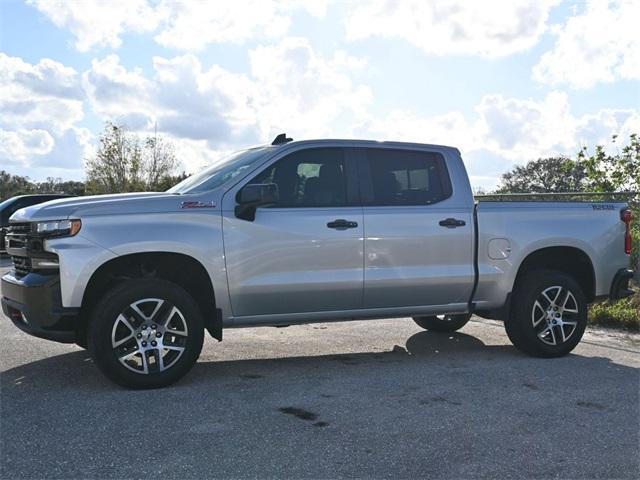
79, 257
195, 234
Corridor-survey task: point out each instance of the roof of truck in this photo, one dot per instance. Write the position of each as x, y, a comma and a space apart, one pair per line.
282, 139
366, 143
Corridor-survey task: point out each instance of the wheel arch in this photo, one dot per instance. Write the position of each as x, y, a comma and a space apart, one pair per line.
570, 260
181, 269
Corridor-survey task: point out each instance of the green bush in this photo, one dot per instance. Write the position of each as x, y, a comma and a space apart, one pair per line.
622, 314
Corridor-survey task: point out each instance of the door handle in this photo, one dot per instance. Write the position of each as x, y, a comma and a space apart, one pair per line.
342, 224
452, 223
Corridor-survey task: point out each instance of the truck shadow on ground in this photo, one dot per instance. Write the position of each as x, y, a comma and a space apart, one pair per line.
451, 351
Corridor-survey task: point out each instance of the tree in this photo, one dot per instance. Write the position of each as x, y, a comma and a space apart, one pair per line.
12, 185
160, 161
57, 185
116, 165
610, 173
124, 163
545, 175
168, 181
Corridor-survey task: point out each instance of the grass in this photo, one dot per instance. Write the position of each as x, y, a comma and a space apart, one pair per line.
624, 314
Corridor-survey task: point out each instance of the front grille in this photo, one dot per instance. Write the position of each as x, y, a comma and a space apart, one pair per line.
22, 245
18, 235
22, 266
19, 228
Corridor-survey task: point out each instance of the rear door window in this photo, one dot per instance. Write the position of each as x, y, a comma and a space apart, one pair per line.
406, 177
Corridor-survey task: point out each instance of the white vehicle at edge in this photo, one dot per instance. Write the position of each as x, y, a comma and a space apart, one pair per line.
309, 231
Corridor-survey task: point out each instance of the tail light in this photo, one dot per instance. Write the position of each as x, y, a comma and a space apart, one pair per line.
626, 216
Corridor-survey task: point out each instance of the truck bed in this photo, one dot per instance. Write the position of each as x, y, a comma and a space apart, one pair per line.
510, 227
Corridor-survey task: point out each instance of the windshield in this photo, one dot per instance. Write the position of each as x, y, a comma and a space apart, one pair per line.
223, 171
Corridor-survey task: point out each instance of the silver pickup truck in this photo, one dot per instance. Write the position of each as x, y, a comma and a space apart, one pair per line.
308, 231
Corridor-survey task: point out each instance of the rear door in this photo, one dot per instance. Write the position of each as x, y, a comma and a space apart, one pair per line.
418, 233
305, 253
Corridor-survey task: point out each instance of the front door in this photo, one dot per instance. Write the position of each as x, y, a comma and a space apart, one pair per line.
305, 253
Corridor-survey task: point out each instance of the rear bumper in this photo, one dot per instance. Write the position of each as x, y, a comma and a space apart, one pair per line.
33, 304
620, 284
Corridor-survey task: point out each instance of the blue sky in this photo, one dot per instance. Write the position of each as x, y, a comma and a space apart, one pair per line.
505, 81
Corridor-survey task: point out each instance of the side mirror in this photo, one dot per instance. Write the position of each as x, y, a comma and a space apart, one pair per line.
252, 196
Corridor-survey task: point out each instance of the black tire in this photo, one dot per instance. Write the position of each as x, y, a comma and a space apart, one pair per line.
119, 300
443, 323
532, 339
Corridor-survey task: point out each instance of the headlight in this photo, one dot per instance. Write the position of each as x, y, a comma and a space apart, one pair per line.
58, 228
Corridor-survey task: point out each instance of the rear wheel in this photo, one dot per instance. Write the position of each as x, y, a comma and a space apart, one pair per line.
549, 314
443, 323
146, 333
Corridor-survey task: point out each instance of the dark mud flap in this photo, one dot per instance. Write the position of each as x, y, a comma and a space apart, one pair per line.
214, 325
620, 285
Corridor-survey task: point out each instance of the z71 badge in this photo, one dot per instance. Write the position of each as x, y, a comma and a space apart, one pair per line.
193, 204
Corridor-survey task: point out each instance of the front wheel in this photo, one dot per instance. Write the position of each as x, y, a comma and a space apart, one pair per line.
146, 333
443, 323
549, 314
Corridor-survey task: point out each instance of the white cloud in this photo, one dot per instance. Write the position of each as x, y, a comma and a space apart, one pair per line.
48, 78
597, 128
213, 105
491, 28
196, 155
193, 25
40, 104
46, 95
181, 24
525, 129
600, 45
290, 87
304, 93
512, 128
68, 153
99, 24
185, 100
22, 144
507, 131
448, 129
113, 90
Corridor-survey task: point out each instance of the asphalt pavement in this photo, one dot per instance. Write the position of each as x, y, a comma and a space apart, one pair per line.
366, 399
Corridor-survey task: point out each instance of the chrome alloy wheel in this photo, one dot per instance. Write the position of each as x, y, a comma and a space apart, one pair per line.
554, 315
149, 336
